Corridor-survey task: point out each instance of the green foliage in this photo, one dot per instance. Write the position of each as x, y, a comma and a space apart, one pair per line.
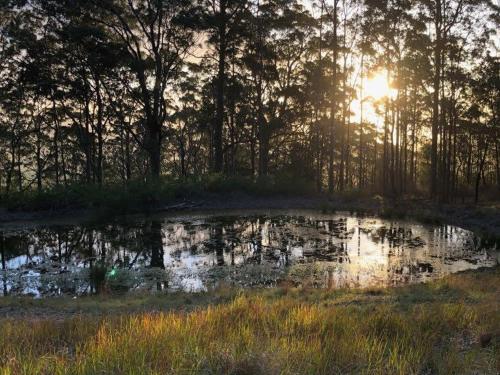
141, 195
272, 92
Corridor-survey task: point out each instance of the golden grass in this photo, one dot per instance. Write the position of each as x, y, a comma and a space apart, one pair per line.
422, 329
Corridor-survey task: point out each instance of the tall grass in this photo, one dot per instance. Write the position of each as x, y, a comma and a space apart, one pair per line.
432, 329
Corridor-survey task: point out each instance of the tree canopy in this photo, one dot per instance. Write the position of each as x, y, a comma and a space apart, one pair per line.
394, 96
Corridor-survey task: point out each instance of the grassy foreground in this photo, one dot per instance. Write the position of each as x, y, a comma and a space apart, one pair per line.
450, 326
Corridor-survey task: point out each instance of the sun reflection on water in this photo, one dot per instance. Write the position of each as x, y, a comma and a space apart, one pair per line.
253, 249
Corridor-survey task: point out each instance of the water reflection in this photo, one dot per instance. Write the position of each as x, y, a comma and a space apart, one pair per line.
196, 252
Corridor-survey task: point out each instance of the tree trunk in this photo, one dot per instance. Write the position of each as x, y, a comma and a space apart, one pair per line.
263, 148
221, 78
435, 98
264, 131
385, 160
56, 141
480, 171
38, 156
154, 150
12, 166
87, 143
100, 129
19, 171
182, 157
497, 157
360, 147
331, 143
128, 164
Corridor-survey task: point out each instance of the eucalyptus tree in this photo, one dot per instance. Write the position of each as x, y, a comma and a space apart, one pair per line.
447, 17
485, 111
187, 136
275, 58
315, 90
366, 53
351, 36
222, 21
333, 15
397, 31
33, 79
113, 90
156, 37
92, 60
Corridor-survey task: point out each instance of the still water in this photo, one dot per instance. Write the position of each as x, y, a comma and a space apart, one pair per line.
198, 251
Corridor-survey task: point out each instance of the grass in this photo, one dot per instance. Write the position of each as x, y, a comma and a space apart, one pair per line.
450, 326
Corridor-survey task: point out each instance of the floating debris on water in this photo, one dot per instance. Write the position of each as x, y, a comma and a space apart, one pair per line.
247, 249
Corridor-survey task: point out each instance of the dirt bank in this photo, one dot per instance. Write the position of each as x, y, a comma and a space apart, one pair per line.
483, 219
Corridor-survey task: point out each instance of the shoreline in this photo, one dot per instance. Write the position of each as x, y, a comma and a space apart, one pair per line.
483, 219
132, 303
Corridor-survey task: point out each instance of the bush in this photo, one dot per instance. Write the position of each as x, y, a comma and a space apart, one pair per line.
140, 195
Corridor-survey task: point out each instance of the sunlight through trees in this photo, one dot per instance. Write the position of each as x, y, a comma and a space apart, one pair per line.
390, 97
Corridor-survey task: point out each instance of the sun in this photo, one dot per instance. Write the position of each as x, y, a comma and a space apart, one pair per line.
377, 87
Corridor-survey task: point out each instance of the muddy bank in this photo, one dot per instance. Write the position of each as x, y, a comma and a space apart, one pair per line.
483, 219
202, 203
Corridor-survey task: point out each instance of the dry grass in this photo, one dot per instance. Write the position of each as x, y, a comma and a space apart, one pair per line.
445, 327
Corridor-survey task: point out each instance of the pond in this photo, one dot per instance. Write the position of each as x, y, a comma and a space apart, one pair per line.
198, 251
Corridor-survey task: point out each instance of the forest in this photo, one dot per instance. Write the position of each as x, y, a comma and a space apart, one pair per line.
392, 97
249, 187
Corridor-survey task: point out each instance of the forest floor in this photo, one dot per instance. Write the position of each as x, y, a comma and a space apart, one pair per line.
448, 326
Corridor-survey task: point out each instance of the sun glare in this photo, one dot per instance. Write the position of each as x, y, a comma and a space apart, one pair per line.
377, 86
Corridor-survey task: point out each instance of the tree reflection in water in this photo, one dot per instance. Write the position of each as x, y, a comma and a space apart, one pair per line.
153, 237
193, 253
